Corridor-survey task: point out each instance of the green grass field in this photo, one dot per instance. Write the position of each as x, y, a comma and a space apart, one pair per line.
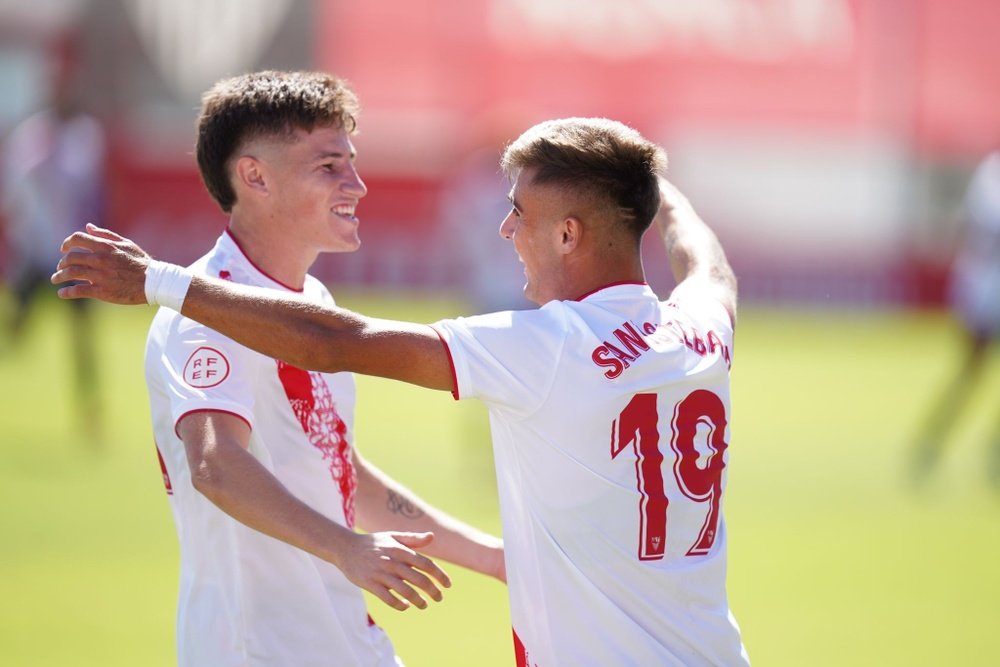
834, 558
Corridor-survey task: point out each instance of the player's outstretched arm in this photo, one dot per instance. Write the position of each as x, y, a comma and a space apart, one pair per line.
697, 259
284, 326
385, 504
385, 563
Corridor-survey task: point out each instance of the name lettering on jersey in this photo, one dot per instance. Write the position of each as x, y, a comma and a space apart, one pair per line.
630, 341
206, 367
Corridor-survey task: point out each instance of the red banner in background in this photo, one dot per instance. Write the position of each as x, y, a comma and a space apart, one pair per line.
928, 69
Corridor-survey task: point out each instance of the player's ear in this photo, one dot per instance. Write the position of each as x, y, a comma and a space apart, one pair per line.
570, 232
248, 172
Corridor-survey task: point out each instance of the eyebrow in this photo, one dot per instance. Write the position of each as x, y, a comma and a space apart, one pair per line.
336, 155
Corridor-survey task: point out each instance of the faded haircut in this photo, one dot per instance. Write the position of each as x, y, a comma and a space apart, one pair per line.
265, 104
602, 160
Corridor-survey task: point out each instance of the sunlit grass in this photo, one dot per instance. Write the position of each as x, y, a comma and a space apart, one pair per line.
834, 558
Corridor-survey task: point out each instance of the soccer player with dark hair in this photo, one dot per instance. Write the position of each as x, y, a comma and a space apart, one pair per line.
258, 457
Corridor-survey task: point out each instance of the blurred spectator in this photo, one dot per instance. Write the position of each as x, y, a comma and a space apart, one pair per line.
975, 300
52, 167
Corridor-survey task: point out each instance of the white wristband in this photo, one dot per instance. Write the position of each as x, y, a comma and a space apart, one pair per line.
167, 284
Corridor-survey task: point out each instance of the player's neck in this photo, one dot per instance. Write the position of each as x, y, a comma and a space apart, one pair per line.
274, 257
590, 276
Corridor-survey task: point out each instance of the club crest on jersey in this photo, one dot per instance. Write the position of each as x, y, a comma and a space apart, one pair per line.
206, 367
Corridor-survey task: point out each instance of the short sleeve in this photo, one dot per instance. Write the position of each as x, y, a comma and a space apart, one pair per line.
202, 370
699, 304
508, 359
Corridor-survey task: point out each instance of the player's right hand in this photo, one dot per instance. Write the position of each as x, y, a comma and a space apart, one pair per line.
386, 565
105, 265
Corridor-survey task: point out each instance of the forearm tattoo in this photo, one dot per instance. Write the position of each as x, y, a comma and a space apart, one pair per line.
398, 504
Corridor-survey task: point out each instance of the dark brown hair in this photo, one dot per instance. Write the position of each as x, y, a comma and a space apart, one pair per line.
600, 159
268, 103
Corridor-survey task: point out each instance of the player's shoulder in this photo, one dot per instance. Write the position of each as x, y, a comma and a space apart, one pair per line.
700, 304
169, 325
314, 289
551, 319
517, 331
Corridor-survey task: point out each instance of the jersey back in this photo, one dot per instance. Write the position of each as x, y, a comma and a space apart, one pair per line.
610, 419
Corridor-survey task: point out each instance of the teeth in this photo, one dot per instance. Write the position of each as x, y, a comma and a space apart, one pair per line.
344, 210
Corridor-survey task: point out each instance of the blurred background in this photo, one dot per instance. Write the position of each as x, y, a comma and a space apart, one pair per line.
845, 128
830, 144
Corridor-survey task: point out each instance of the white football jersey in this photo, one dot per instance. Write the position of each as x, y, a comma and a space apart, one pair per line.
610, 420
245, 598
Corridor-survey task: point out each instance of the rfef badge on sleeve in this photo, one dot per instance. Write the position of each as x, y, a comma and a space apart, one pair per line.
206, 367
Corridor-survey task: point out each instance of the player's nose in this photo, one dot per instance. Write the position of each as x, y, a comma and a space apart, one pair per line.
507, 226
354, 185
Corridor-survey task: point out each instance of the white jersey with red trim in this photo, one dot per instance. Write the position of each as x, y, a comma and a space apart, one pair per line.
247, 599
610, 419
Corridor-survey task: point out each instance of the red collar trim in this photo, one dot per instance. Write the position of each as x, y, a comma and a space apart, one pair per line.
261, 271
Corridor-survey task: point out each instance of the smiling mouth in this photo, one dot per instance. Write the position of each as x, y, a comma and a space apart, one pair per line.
345, 211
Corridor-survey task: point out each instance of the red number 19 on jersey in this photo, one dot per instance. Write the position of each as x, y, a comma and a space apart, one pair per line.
638, 425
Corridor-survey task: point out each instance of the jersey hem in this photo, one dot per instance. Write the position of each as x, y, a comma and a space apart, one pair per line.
451, 363
221, 410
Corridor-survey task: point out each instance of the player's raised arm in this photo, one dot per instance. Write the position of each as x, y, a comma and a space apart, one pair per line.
696, 256
114, 269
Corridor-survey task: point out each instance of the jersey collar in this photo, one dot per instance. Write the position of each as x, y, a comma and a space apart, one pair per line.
601, 289
239, 248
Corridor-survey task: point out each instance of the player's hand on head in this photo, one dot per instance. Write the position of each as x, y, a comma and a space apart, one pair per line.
386, 565
102, 265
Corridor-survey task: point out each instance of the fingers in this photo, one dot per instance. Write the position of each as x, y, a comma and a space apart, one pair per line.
77, 291
104, 233
414, 540
383, 594
421, 562
399, 593
77, 265
116, 270
74, 272
411, 583
78, 259
422, 582
93, 239
85, 241
409, 594
402, 577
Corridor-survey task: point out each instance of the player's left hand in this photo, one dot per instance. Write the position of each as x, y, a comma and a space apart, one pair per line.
107, 266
